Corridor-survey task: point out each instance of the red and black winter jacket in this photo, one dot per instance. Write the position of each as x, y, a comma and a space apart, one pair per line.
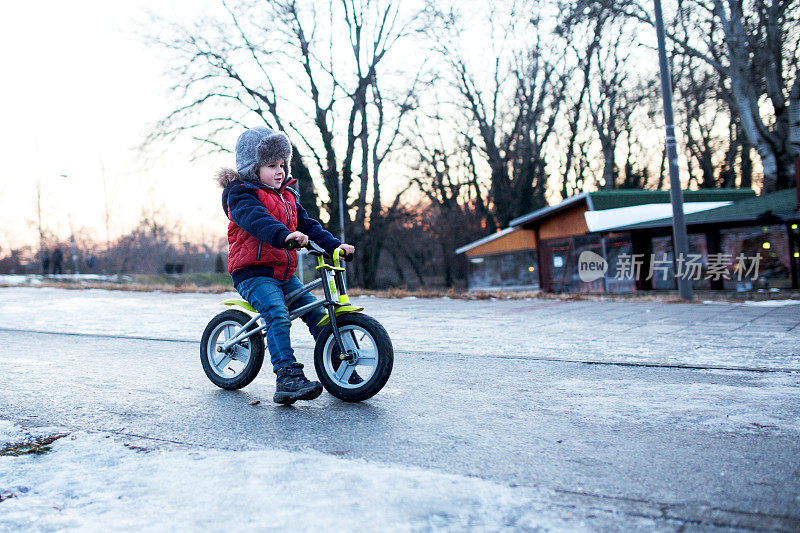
260, 220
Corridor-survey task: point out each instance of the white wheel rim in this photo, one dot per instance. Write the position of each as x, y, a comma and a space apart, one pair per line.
232, 364
358, 340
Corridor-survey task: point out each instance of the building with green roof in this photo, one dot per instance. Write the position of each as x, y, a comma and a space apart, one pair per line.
738, 241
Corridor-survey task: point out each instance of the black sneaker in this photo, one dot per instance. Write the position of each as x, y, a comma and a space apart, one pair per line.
292, 385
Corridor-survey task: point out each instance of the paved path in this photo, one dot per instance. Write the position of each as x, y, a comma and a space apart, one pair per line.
686, 415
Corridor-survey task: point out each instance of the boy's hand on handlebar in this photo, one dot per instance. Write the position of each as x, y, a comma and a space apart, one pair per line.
348, 250
297, 236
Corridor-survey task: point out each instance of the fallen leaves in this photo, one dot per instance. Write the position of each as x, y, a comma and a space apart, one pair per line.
138, 449
35, 446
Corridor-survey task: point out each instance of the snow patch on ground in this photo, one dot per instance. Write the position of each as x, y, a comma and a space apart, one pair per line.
93, 482
8, 432
772, 303
18, 279
755, 303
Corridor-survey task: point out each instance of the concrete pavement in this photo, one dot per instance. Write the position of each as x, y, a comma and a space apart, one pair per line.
675, 414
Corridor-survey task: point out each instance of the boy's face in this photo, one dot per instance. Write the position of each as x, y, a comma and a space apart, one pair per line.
272, 174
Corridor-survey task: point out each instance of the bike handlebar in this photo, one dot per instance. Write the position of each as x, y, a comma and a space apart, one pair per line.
311, 245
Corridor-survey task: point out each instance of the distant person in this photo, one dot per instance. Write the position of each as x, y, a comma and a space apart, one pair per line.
57, 259
45, 263
265, 214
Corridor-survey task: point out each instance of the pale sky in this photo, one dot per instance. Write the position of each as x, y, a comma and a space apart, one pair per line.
79, 94
79, 91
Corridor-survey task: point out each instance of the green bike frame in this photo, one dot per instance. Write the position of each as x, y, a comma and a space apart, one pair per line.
331, 279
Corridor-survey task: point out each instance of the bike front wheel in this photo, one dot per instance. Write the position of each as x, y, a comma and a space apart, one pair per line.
371, 357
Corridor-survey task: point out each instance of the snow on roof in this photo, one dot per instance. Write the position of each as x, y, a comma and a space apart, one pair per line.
484, 240
625, 216
550, 209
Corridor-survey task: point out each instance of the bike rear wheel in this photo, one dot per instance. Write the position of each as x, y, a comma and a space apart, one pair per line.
373, 357
241, 363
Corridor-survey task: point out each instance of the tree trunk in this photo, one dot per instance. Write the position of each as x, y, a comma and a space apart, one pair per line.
609, 172
305, 185
401, 276
447, 265
741, 77
746, 165
415, 267
794, 126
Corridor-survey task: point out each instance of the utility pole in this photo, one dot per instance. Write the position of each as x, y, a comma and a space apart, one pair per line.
72, 236
39, 222
341, 211
680, 240
107, 213
341, 220
72, 244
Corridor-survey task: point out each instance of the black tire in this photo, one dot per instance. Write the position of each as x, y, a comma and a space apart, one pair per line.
383, 367
253, 346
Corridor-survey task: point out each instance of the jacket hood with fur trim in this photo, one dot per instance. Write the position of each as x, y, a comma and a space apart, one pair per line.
226, 176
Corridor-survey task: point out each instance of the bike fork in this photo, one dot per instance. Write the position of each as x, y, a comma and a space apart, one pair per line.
327, 289
336, 335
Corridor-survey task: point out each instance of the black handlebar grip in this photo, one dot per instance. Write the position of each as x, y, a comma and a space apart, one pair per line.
348, 257
291, 245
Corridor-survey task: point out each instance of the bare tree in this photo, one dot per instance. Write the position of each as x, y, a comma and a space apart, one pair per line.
755, 48
509, 107
311, 69
615, 92
614, 101
702, 114
442, 171
573, 160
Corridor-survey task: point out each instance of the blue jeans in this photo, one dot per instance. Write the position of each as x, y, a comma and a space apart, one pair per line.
268, 297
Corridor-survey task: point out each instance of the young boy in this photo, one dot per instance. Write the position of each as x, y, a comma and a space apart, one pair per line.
265, 214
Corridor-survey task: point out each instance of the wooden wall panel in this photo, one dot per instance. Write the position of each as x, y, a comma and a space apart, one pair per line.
521, 239
565, 224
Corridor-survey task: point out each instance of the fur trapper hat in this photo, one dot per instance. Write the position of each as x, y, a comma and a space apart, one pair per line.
260, 146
